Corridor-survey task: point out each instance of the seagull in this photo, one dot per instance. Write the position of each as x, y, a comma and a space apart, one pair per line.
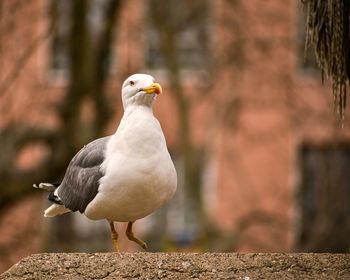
123, 177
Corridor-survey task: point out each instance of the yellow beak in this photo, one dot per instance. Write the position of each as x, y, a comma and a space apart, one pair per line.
154, 88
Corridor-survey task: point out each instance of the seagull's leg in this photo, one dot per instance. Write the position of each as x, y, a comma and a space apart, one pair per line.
132, 237
114, 236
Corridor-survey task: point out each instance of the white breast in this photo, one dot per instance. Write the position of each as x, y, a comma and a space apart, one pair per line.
139, 173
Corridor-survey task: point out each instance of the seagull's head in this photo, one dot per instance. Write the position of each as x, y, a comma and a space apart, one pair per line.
140, 89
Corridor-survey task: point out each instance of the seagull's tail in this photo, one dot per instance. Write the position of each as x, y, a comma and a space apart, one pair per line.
57, 208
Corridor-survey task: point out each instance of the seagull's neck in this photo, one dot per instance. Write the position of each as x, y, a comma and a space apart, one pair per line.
133, 112
136, 107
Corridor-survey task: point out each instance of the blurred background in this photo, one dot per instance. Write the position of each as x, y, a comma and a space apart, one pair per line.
262, 163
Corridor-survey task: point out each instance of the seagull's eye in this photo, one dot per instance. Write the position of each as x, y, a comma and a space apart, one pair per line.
132, 83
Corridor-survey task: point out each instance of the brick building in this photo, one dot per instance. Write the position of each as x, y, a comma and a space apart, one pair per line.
262, 113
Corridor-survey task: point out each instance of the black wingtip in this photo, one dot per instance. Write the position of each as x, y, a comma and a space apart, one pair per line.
54, 198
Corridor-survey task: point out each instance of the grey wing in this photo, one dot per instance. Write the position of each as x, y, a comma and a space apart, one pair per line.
81, 181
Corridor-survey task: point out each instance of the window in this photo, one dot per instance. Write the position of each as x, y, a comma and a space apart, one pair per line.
60, 41
188, 22
62, 14
324, 199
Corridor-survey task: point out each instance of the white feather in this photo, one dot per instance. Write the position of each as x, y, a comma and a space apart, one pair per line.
55, 210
